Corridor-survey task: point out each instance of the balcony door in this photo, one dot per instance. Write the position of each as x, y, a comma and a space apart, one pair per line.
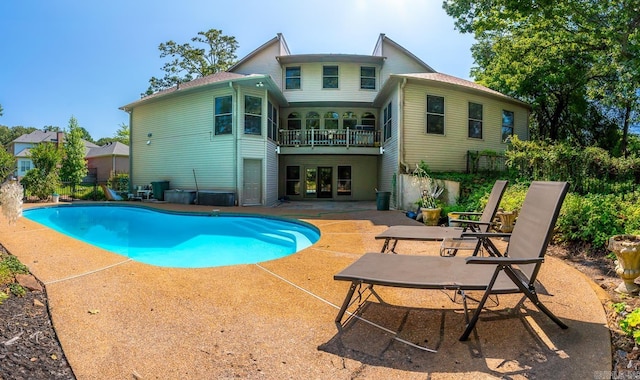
319, 182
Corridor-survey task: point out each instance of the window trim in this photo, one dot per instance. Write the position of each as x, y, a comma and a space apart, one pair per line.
512, 126
226, 114
329, 76
348, 181
375, 79
252, 115
287, 77
473, 120
387, 121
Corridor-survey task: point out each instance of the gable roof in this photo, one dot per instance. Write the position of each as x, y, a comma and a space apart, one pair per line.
279, 38
114, 148
378, 51
39, 136
446, 80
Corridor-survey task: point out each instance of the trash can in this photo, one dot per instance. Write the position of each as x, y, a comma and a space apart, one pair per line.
158, 188
382, 200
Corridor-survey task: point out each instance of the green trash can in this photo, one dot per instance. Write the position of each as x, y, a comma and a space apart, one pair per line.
158, 188
382, 200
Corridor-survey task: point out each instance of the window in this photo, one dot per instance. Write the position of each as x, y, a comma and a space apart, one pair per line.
507, 125
331, 120
25, 166
294, 121
293, 180
369, 119
349, 120
292, 78
313, 120
386, 122
252, 115
272, 121
367, 78
435, 114
223, 115
475, 120
329, 76
344, 180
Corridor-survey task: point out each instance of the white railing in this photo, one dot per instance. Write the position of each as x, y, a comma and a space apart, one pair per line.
329, 137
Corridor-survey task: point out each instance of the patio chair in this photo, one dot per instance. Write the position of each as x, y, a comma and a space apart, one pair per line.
515, 272
453, 237
111, 194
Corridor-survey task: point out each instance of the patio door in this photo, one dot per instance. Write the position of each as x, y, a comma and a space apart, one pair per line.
319, 182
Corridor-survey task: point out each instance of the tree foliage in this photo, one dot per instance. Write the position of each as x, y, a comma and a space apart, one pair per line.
187, 62
44, 178
7, 164
121, 136
7, 135
74, 165
576, 61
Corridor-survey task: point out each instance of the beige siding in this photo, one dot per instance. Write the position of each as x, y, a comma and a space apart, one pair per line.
264, 62
389, 159
181, 141
448, 152
363, 172
397, 62
271, 174
348, 82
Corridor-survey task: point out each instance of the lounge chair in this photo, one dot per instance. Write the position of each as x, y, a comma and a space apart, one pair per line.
111, 194
395, 233
515, 272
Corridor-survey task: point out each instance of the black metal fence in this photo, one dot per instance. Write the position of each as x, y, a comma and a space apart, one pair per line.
485, 161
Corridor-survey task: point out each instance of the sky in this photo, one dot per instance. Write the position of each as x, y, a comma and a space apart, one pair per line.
85, 59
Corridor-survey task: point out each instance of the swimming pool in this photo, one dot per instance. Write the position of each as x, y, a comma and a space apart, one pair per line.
182, 240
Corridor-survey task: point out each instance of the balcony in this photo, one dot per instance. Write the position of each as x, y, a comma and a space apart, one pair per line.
329, 141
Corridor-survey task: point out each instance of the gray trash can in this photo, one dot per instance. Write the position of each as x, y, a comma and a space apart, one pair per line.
158, 188
382, 200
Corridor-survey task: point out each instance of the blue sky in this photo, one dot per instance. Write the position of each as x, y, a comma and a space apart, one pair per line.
87, 58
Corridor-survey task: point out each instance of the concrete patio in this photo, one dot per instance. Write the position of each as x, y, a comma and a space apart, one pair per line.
120, 319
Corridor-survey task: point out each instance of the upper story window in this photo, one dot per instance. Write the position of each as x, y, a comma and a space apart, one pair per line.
349, 120
368, 78
272, 121
294, 121
292, 78
435, 114
252, 115
223, 119
369, 119
507, 124
313, 120
475, 120
387, 121
331, 120
329, 76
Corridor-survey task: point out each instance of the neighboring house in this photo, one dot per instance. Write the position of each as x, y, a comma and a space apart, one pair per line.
101, 161
315, 126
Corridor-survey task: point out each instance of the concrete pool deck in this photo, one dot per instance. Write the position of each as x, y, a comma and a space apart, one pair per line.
120, 319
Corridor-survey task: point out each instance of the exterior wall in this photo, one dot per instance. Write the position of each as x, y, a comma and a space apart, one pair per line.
284, 114
271, 174
390, 158
264, 62
348, 83
19, 147
448, 152
363, 169
105, 165
398, 62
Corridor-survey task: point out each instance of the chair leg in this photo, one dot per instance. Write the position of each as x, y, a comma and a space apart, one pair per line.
345, 304
472, 323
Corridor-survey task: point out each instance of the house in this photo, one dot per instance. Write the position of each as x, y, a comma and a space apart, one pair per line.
101, 160
315, 126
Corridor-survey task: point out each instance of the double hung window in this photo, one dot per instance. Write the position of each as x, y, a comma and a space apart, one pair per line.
252, 115
475, 120
387, 118
507, 125
223, 115
367, 78
435, 114
292, 78
329, 76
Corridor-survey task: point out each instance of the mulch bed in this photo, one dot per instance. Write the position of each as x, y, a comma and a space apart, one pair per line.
29, 347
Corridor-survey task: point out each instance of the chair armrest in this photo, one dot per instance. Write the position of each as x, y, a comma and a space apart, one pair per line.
466, 213
469, 221
486, 234
502, 260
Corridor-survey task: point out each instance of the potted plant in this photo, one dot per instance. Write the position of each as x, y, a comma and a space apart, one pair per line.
428, 203
55, 197
627, 251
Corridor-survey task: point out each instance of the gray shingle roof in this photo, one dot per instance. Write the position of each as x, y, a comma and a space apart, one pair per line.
110, 149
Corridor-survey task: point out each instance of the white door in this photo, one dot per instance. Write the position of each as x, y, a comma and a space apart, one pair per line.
252, 186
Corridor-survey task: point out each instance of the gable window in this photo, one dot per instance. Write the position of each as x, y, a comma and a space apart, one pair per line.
349, 120
272, 121
223, 115
435, 114
252, 115
507, 125
331, 120
294, 121
313, 120
369, 119
367, 78
293, 180
344, 180
329, 76
386, 120
292, 78
475, 120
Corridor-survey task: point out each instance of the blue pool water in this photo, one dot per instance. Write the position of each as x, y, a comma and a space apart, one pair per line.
176, 239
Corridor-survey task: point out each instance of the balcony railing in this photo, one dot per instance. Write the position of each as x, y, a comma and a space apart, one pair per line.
330, 137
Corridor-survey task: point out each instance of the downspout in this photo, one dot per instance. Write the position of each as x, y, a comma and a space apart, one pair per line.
236, 134
130, 150
400, 193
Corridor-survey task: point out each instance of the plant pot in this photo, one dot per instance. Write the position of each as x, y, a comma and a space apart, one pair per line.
507, 220
430, 216
627, 251
55, 198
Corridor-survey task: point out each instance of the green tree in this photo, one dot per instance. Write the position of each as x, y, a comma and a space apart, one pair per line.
188, 62
74, 165
7, 135
570, 59
7, 164
1, 110
121, 136
44, 179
